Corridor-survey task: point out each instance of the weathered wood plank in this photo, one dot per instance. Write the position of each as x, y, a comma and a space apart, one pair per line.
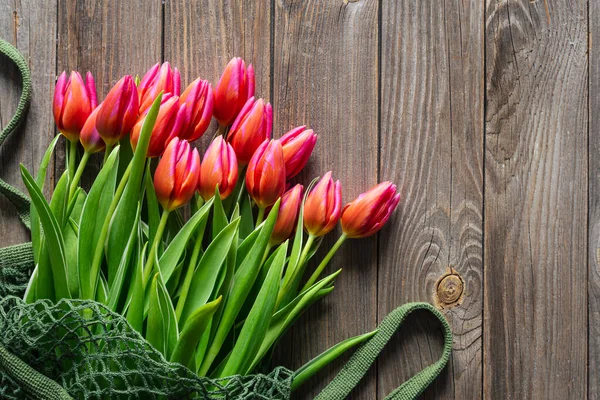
325, 76
536, 170
30, 25
594, 204
202, 36
432, 147
110, 39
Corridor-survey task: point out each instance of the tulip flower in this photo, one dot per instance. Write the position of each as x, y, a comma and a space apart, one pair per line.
177, 174
159, 78
297, 144
90, 138
370, 211
219, 167
235, 87
171, 120
199, 98
73, 103
118, 112
323, 206
251, 128
265, 176
288, 215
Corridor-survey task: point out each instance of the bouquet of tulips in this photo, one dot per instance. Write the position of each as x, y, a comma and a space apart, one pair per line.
206, 258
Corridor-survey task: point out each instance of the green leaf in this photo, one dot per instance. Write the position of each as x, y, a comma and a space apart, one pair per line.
117, 285
283, 318
244, 278
95, 210
170, 258
71, 239
125, 211
36, 233
53, 236
247, 223
102, 290
58, 202
29, 295
173, 284
219, 220
135, 304
44, 284
316, 364
205, 276
151, 206
246, 245
259, 318
192, 333
162, 331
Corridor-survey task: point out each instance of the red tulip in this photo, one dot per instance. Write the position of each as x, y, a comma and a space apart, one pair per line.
90, 138
265, 177
177, 174
73, 103
118, 112
323, 206
288, 214
370, 211
199, 98
219, 167
251, 127
235, 87
159, 78
171, 120
297, 144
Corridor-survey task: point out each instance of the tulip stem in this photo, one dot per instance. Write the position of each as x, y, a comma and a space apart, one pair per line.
78, 173
261, 216
107, 151
189, 275
72, 157
313, 278
291, 277
157, 238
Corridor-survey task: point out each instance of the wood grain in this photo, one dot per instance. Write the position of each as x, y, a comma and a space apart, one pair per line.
594, 205
110, 39
325, 76
432, 147
202, 36
536, 200
30, 25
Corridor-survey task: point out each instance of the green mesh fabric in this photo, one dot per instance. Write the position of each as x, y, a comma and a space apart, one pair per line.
101, 356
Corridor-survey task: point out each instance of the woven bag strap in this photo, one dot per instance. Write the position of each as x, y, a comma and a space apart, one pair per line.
365, 356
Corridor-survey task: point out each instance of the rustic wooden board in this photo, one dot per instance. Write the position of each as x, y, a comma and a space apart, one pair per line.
111, 39
30, 25
536, 200
325, 76
594, 205
432, 147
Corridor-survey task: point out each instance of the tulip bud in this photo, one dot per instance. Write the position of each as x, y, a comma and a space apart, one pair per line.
170, 121
251, 127
118, 112
90, 138
219, 167
370, 211
235, 87
159, 78
288, 215
265, 177
73, 103
297, 144
323, 206
177, 174
199, 98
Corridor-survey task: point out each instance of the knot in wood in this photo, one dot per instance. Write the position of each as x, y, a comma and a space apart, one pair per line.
450, 289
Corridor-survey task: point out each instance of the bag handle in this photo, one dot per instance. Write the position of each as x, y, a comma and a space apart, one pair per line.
14, 195
365, 356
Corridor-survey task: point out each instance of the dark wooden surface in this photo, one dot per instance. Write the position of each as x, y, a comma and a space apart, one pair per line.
485, 114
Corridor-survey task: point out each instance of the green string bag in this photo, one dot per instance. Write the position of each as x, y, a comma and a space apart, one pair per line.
49, 351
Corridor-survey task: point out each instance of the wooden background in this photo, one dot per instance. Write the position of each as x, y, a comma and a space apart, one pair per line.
486, 115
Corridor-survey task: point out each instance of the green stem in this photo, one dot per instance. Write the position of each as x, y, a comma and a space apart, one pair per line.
313, 278
292, 276
159, 232
78, 173
261, 216
99, 251
190, 272
107, 151
72, 157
